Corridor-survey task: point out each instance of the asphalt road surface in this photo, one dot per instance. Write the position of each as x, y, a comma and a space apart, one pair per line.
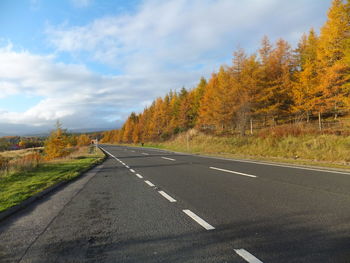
147, 205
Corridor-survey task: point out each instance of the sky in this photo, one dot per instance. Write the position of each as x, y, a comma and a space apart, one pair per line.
90, 63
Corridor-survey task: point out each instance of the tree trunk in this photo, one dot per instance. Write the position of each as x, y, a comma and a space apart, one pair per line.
335, 111
242, 130
251, 126
307, 117
319, 121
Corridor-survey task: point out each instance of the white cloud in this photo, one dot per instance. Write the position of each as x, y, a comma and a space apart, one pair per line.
71, 93
162, 45
7, 89
164, 34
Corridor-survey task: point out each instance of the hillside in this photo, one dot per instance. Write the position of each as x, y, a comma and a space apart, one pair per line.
288, 100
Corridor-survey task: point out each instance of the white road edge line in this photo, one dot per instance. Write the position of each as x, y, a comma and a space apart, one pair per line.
170, 159
114, 157
233, 172
247, 256
149, 183
166, 196
108, 152
273, 164
132, 170
198, 219
255, 162
139, 176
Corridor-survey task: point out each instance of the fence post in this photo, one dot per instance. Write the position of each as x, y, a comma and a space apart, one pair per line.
187, 142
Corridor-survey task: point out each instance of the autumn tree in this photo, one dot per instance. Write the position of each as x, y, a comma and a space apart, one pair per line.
83, 140
128, 128
332, 53
305, 90
247, 82
56, 144
276, 79
197, 95
205, 115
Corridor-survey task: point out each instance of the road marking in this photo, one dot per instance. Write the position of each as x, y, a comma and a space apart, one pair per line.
145, 153
108, 152
114, 157
149, 183
247, 256
139, 176
127, 166
233, 172
170, 159
132, 151
198, 219
271, 164
164, 194
132, 170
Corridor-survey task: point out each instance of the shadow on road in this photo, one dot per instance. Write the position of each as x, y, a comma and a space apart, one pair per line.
295, 243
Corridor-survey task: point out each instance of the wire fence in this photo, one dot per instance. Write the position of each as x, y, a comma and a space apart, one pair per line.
329, 124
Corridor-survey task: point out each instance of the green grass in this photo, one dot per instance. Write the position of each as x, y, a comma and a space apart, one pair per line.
19, 186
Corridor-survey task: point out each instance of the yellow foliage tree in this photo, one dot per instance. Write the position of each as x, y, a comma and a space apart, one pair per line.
333, 51
56, 144
83, 140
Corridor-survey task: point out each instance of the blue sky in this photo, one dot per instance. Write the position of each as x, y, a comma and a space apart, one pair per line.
90, 63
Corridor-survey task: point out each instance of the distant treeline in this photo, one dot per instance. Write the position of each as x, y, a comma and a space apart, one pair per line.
277, 83
8, 143
17, 142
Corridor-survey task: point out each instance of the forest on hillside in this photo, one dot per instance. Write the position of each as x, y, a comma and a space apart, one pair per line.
276, 85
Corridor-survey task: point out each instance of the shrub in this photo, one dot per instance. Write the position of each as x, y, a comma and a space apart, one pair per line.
4, 164
25, 162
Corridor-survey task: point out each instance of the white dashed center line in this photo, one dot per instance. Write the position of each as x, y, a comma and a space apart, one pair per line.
170, 159
139, 176
149, 183
198, 219
233, 172
247, 256
165, 195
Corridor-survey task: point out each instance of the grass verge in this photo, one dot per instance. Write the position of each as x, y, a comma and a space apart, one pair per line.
19, 186
329, 151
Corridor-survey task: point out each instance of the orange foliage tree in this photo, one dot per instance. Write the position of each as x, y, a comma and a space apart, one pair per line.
276, 84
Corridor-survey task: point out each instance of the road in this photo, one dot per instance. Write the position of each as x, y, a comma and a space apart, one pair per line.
148, 205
